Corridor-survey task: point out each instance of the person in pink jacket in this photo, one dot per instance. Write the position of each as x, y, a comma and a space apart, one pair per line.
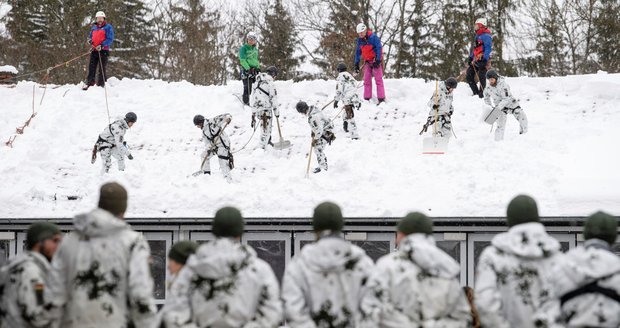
369, 50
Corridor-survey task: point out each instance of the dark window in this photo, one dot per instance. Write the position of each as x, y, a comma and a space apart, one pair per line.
272, 252
4, 251
158, 267
374, 248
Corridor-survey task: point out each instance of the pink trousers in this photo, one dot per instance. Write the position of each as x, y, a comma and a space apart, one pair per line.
377, 73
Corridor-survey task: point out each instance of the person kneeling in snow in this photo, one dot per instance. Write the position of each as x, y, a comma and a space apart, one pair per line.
111, 143
499, 91
264, 100
322, 132
441, 108
346, 91
217, 143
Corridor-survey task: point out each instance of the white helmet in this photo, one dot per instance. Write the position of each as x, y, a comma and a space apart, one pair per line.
361, 27
252, 36
100, 14
481, 21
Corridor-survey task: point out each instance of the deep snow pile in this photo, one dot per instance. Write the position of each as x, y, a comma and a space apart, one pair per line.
568, 161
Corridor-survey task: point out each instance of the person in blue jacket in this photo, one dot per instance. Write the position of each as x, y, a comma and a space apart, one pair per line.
370, 50
100, 38
479, 57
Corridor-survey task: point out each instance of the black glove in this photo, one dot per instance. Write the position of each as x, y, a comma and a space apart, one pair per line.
253, 121
335, 103
130, 157
435, 107
252, 71
376, 64
357, 68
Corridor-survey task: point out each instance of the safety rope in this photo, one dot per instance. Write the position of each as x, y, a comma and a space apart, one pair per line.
247, 143
105, 86
43, 81
49, 69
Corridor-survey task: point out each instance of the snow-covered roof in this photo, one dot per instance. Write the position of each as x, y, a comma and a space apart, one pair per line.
565, 161
8, 69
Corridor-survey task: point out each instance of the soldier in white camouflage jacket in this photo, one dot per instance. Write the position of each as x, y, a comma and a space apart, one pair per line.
322, 132
587, 280
416, 286
324, 284
441, 109
224, 284
512, 287
264, 100
111, 143
101, 275
346, 92
217, 144
499, 91
24, 279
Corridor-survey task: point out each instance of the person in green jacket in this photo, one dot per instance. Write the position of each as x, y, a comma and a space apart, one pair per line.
250, 67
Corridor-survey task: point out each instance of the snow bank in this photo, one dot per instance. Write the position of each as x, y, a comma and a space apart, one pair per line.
568, 161
8, 69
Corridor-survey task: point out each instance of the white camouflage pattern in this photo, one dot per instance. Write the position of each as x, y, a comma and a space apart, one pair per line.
224, 285
22, 283
101, 275
324, 284
506, 104
346, 92
591, 263
322, 128
217, 144
512, 288
264, 100
110, 144
443, 98
416, 286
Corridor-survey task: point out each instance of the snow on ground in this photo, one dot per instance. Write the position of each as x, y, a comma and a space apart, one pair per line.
568, 161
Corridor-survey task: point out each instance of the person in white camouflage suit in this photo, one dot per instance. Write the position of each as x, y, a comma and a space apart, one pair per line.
322, 132
325, 283
217, 144
177, 258
111, 143
587, 280
416, 286
512, 287
441, 107
346, 92
264, 100
498, 90
24, 279
101, 276
224, 284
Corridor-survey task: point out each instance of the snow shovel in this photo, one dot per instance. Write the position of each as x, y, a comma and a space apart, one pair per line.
282, 144
492, 116
435, 145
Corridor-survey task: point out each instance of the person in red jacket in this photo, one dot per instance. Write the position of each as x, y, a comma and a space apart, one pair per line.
369, 49
479, 57
100, 39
